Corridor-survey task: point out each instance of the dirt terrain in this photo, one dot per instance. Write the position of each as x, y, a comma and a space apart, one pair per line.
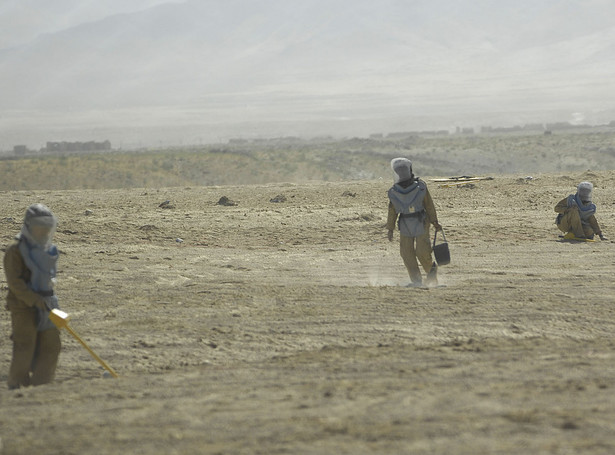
282, 324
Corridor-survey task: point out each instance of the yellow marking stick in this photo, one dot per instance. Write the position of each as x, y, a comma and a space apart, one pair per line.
60, 320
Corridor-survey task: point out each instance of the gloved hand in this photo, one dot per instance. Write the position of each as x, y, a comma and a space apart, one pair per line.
390, 235
438, 226
602, 237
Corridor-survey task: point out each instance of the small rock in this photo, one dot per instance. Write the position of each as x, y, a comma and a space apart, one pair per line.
515, 329
148, 227
278, 198
209, 343
367, 217
178, 240
349, 194
166, 205
89, 212
225, 201
569, 425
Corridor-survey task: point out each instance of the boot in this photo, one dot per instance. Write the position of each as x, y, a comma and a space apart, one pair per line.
416, 280
432, 276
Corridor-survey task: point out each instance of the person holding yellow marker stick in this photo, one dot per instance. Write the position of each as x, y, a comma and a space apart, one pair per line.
30, 267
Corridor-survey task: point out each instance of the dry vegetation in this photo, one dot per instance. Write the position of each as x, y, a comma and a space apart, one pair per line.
288, 160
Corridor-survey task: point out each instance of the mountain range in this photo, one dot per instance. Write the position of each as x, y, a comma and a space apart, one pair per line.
242, 60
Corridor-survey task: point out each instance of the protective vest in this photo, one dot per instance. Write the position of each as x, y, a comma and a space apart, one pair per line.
586, 211
42, 264
408, 203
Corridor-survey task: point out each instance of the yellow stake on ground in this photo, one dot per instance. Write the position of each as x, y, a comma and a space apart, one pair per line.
60, 320
571, 236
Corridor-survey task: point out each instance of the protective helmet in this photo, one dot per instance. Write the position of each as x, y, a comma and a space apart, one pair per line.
402, 168
39, 225
584, 190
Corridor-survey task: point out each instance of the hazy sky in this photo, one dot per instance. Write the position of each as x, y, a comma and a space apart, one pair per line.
23, 20
298, 67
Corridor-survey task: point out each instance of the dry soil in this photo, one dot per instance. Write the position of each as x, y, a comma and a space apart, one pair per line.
286, 327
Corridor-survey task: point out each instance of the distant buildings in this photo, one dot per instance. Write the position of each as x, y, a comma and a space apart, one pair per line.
20, 150
90, 146
62, 147
407, 134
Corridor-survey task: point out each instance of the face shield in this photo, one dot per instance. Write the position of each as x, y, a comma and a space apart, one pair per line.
39, 225
584, 190
42, 230
402, 167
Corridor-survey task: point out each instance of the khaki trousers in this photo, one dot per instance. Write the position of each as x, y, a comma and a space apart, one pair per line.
35, 354
413, 248
571, 222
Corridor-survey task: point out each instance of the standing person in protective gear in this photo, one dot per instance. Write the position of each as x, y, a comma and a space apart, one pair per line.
30, 268
577, 214
409, 199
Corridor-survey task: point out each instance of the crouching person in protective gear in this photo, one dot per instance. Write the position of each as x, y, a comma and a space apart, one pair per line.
576, 214
410, 204
30, 268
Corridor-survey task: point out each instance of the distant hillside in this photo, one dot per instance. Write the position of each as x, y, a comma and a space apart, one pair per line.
293, 160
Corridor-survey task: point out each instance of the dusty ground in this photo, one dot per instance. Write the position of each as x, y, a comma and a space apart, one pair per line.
286, 327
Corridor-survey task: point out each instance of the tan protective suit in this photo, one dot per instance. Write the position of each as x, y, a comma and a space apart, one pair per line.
570, 221
35, 354
413, 248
